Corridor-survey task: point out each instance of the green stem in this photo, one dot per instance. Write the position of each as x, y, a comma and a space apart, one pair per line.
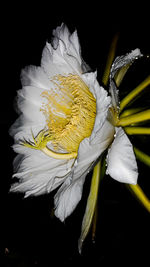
134, 93
142, 156
137, 130
130, 111
135, 118
139, 194
94, 222
91, 204
110, 59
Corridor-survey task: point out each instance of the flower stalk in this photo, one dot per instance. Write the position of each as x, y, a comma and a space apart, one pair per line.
135, 118
130, 111
137, 130
91, 204
110, 59
142, 156
134, 93
139, 194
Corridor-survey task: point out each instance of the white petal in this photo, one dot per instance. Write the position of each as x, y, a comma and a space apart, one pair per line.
37, 172
36, 77
121, 161
63, 56
68, 196
102, 100
70, 192
71, 41
29, 103
89, 151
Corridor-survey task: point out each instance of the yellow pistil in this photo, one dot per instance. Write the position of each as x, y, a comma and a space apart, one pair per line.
55, 155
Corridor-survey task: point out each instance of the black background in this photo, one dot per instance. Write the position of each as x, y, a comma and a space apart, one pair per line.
30, 236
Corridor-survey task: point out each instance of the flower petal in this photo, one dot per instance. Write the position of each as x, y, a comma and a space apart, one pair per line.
70, 192
121, 61
63, 55
68, 196
29, 101
37, 172
121, 161
102, 100
118, 63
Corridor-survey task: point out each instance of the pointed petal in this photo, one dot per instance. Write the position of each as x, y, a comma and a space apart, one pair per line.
121, 161
63, 55
68, 196
123, 60
118, 63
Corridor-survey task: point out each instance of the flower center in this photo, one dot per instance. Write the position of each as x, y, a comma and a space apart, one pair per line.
70, 111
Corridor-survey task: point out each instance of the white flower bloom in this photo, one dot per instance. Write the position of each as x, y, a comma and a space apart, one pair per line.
63, 126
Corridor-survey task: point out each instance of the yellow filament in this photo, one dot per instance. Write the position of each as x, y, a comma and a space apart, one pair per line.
70, 111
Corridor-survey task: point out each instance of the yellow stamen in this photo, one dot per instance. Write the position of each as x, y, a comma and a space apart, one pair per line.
70, 112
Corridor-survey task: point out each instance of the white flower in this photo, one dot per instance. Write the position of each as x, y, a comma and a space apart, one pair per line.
64, 126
